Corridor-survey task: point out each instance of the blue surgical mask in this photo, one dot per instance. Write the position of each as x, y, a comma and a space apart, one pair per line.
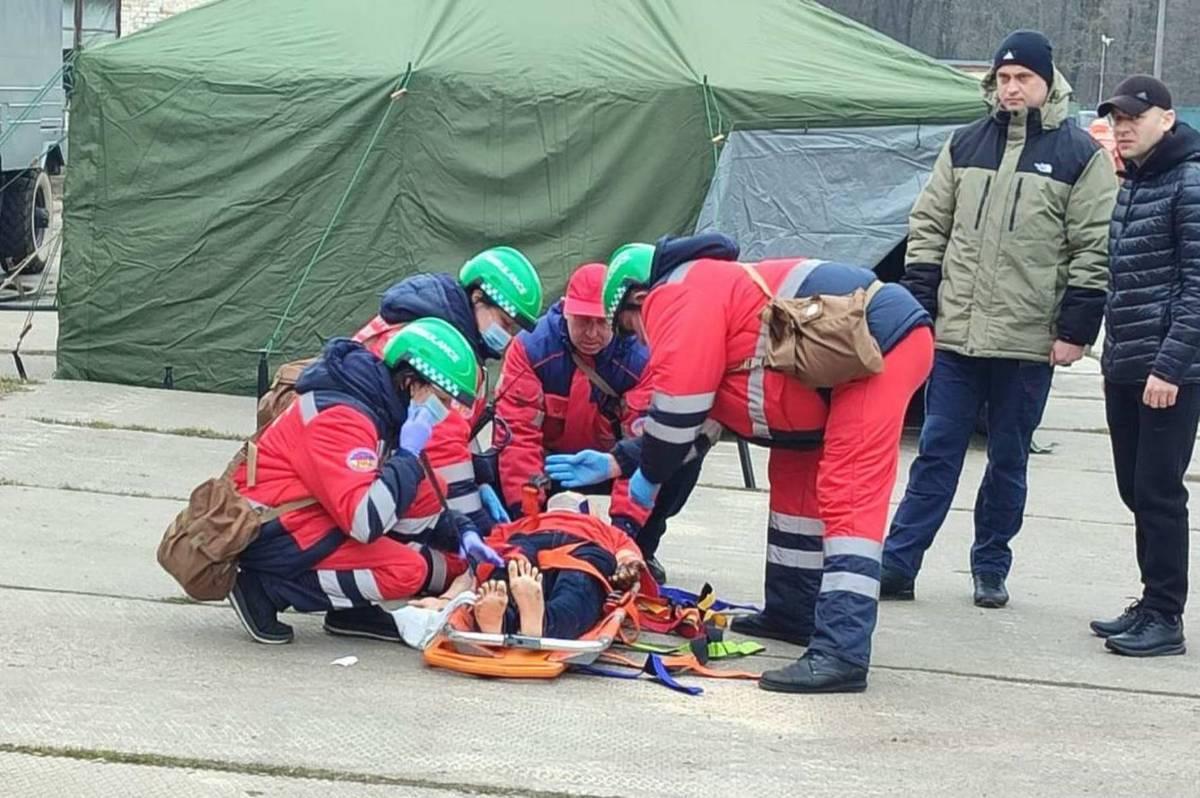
496, 338
436, 409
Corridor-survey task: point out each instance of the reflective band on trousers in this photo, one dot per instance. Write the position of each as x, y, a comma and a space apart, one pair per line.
794, 558
796, 524
848, 546
846, 582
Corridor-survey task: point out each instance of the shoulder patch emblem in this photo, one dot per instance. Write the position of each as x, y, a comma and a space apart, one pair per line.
362, 460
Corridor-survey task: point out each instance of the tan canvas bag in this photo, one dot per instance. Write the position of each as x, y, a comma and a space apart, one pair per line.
201, 546
821, 340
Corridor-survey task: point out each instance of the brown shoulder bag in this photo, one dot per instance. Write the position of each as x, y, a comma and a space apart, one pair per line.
823, 341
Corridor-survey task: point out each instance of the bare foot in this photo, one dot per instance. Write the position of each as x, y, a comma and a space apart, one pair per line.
490, 607
525, 582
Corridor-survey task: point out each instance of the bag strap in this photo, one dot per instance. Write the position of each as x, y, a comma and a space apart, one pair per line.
283, 509
758, 280
594, 377
872, 290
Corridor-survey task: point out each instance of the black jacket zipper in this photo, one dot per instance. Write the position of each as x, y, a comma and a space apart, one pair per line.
983, 201
1012, 219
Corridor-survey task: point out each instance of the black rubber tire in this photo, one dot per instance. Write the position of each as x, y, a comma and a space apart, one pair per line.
26, 218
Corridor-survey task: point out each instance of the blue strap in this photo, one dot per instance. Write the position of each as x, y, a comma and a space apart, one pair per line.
654, 667
681, 596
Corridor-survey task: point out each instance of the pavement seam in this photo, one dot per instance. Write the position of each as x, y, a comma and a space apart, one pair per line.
180, 432
14, 483
106, 756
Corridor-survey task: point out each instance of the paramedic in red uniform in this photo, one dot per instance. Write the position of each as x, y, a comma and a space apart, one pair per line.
548, 403
351, 441
833, 452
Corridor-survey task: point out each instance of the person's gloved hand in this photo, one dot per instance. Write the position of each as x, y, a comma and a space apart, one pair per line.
472, 548
642, 490
492, 503
417, 428
588, 467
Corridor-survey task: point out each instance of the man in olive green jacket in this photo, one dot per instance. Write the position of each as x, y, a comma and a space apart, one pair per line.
1008, 249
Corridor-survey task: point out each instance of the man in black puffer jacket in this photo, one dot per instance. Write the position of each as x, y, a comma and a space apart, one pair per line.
1150, 364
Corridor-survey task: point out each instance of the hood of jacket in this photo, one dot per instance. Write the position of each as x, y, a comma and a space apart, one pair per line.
437, 295
671, 252
1054, 113
348, 368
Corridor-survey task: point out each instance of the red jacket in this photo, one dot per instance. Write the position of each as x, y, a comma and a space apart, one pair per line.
551, 406
334, 445
702, 321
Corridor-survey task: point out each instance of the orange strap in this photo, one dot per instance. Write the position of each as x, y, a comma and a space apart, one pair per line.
689, 662
563, 559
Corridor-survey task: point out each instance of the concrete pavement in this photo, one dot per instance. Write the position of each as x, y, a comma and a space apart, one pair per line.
112, 684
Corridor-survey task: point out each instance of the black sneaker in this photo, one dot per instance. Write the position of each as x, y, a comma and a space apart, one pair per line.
759, 625
990, 591
895, 586
1153, 634
257, 612
816, 672
372, 622
656, 570
1122, 623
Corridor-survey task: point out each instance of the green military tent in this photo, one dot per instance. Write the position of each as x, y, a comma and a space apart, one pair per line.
212, 151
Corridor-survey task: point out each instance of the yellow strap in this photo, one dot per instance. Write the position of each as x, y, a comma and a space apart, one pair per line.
251, 464
872, 290
758, 280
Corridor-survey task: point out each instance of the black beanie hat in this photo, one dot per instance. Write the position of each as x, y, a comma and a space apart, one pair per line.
1028, 48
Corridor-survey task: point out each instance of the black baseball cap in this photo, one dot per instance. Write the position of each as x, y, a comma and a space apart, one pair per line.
1136, 95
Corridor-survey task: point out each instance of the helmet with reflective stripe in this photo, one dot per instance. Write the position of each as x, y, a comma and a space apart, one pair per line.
509, 280
439, 353
628, 267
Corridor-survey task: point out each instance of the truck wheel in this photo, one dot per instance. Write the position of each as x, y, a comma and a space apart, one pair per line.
25, 211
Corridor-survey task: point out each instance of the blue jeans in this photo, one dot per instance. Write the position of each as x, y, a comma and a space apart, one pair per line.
1014, 392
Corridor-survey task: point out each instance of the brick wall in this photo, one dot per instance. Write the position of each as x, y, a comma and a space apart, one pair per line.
138, 14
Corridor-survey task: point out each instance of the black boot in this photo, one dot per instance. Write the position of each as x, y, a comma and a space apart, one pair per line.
1122, 623
990, 591
656, 570
372, 622
760, 625
1153, 634
895, 586
816, 672
257, 612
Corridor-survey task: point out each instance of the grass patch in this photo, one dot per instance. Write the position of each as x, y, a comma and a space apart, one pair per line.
183, 432
14, 385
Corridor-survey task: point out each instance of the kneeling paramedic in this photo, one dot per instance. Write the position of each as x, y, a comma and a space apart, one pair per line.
833, 451
496, 293
568, 386
351, 442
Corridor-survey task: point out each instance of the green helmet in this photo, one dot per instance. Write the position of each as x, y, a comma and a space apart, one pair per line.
439, 353
509, 280
628, 266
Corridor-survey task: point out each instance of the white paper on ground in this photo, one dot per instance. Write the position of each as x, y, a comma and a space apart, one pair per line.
345, 662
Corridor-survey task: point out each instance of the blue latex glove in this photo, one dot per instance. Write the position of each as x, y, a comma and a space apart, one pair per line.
417, 428
588, 467
492, 503
474, 550
642, 490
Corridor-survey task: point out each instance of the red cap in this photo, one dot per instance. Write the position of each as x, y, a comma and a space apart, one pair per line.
583, 291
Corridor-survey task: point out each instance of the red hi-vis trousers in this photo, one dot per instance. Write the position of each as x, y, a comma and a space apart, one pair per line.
829, 508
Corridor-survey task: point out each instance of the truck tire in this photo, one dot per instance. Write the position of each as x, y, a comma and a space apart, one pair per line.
25, 218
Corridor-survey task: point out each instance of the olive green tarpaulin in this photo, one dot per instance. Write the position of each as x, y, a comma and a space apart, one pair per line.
210, 152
